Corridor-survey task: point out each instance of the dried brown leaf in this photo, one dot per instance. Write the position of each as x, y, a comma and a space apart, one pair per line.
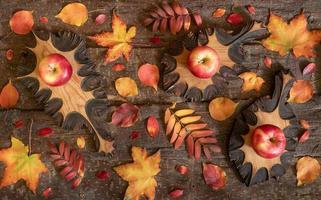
125, 115
308, 170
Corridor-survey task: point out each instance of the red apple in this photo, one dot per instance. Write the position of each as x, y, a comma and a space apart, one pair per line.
268, 141
203, 62
55, 70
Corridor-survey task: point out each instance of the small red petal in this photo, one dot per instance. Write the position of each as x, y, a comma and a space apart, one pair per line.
43, 20
152, 126
176, 193
102, 175
250, 8
118, 67
181, 169
235, 19
134, 135
100, 19
309, 69
9, 54
305, 124
155, 40
304, 137
267, 61
47, 192
19, 123
44, 132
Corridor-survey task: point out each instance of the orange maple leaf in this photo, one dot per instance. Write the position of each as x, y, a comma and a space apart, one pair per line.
291, 36
19, 165
118, 41
140, 174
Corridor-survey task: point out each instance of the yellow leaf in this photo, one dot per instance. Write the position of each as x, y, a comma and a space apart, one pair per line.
187, 120
117, 41
221, 108
291, 36
301, 92
140, 174
184, 112
81, 142
126, 87
74, 14
251, 82
308, 169
19, 165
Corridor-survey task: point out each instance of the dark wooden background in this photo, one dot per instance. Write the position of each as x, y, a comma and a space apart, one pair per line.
150, 103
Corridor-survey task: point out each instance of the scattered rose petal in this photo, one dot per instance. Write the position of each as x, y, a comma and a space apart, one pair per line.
125, 115
152, 126
134, 135
155, 40
102, 175
44, 132
126, 87
21, 22
305, 136
47, 192
43, 20
250, 8
100, 19
9, 96
235, 19
9, 54
148, 74
301, 92
182, 169
118, 67
308, 170
251, 82
19, 123
309, 69
81, 142
219, 12
305, 124
214, 176
221, 108
176, 193
267, 61
74, 14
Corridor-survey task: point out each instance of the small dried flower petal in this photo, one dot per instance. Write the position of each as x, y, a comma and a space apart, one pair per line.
43, 20
235, 19
81, 142
305, 124
305, 136
309, 69
47, 192
44, 132
134, 135
182, 169
100, 19
155, 40
148, 74
250, 8
19, 123
214, 176
102, 175
267, 61
9, 54
176, 193
152, 126
118, 67
219, 12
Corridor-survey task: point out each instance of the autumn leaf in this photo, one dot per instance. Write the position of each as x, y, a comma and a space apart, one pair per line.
126, 87
125, 115
152, 126
117, 41
9, 96
22, 22
140, 174
74, 14
308, 169
221, 108
251, 82
301, 92
148, 74
214, 176
291, 36
19, 165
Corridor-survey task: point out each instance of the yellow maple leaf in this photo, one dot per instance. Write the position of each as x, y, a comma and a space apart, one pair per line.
291, 36
118, 41
251, 82
19, 165
140, 174
74, 14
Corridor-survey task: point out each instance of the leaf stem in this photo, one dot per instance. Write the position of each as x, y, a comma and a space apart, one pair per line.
29, 143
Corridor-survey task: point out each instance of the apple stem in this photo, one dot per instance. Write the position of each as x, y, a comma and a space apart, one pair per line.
29, 143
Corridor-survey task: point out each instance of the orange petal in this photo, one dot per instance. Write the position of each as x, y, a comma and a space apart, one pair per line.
118, 67
148, 74
219, 12
74, 14
308, 170
214, 176
9, 96
251, 82
305, 136
221, 108
21, 22
152, 126
301, 92
9, 54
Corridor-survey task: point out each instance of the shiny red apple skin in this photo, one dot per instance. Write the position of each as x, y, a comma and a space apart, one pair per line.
203, 62
268, 141
55, 70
